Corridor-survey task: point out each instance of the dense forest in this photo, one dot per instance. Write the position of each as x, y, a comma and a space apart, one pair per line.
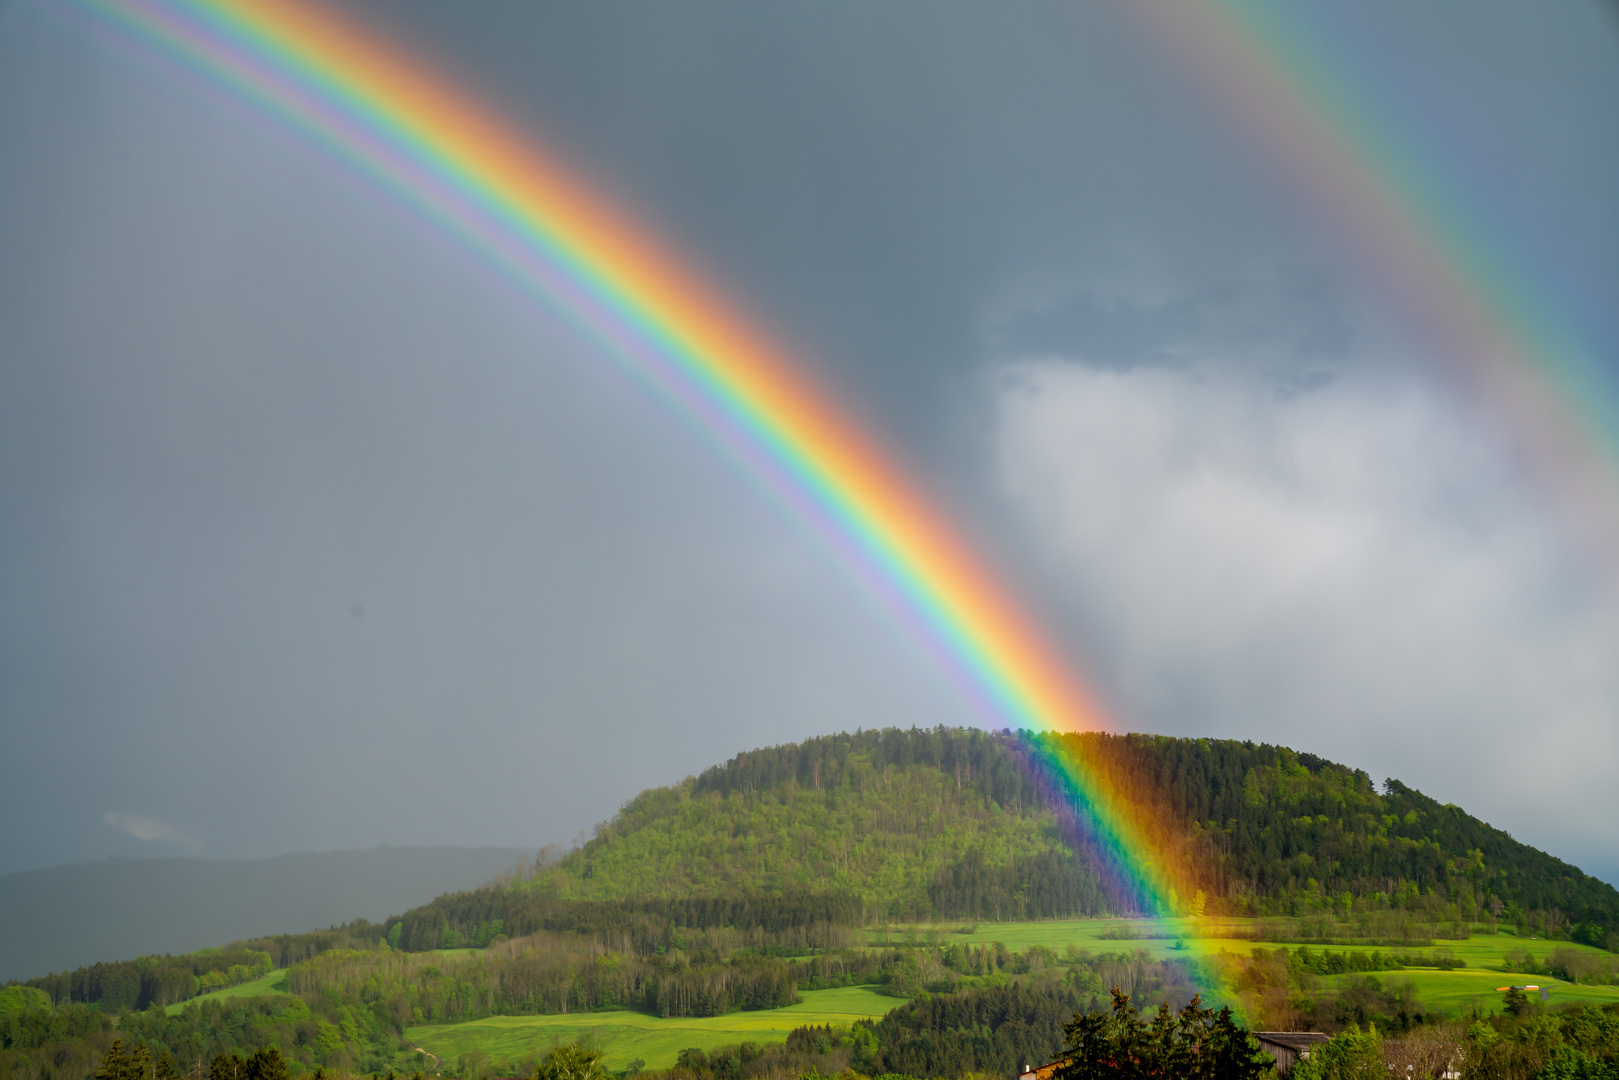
962, 824
156, 980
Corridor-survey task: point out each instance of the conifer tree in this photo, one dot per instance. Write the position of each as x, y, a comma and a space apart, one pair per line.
1195, 1044
113, 1062
267, 1064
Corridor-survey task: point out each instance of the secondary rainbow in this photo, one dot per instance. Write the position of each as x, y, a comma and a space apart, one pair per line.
1410, 215
385, 112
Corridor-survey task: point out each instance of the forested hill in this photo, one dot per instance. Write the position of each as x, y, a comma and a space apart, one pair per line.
955, 824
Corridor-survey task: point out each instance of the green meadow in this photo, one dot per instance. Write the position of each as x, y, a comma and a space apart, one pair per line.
1461, 992
273, 983
1156, 936
625, 1036
1457, 991
1164, 939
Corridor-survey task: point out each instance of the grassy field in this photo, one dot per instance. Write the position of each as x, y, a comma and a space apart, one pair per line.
1159, 938
1156, 936
273, 983
1459, 992
276, 982
624, 1036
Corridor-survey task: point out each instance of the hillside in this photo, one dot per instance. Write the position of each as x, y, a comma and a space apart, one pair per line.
122, 908
741, 891
964, 824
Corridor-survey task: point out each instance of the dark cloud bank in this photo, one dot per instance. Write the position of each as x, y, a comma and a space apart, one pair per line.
318, 535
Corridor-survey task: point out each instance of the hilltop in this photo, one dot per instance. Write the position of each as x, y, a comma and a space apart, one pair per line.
961, 824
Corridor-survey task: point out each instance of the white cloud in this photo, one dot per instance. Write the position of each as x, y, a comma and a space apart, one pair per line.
1357, 571
149, 829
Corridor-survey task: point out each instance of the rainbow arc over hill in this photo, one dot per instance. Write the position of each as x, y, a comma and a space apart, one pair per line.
386, 113
436, 148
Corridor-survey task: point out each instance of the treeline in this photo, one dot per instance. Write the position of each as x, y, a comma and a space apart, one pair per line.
155, 980
548, 973
1564, 963
993, 1031
168, 980
976, 760
1351, 961
288, 949
793, 919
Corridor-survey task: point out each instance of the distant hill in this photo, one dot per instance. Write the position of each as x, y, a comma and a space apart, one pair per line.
958, 824
68, 916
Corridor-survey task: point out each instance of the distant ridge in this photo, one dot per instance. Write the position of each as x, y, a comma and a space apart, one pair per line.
67, 916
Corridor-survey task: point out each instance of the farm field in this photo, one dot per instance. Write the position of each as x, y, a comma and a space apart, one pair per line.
1460, 992
273, 983
625, 1036
1198, 937
276, 981
1156, 936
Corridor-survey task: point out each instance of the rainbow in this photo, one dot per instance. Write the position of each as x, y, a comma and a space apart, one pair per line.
388, 115
1138, 849
1408, 219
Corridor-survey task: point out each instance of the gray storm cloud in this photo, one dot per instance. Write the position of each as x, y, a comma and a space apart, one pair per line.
1359, 568
316, 533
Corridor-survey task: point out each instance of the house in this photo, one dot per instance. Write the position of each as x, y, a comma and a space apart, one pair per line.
1042, 1072
1289, 1047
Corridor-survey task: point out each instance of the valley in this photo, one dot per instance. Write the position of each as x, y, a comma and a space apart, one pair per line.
926, 903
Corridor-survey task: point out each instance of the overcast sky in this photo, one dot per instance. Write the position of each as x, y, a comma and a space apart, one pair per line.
315, 533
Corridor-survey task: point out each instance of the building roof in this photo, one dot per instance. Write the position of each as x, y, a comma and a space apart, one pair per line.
1043, 1072
1293, 1040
